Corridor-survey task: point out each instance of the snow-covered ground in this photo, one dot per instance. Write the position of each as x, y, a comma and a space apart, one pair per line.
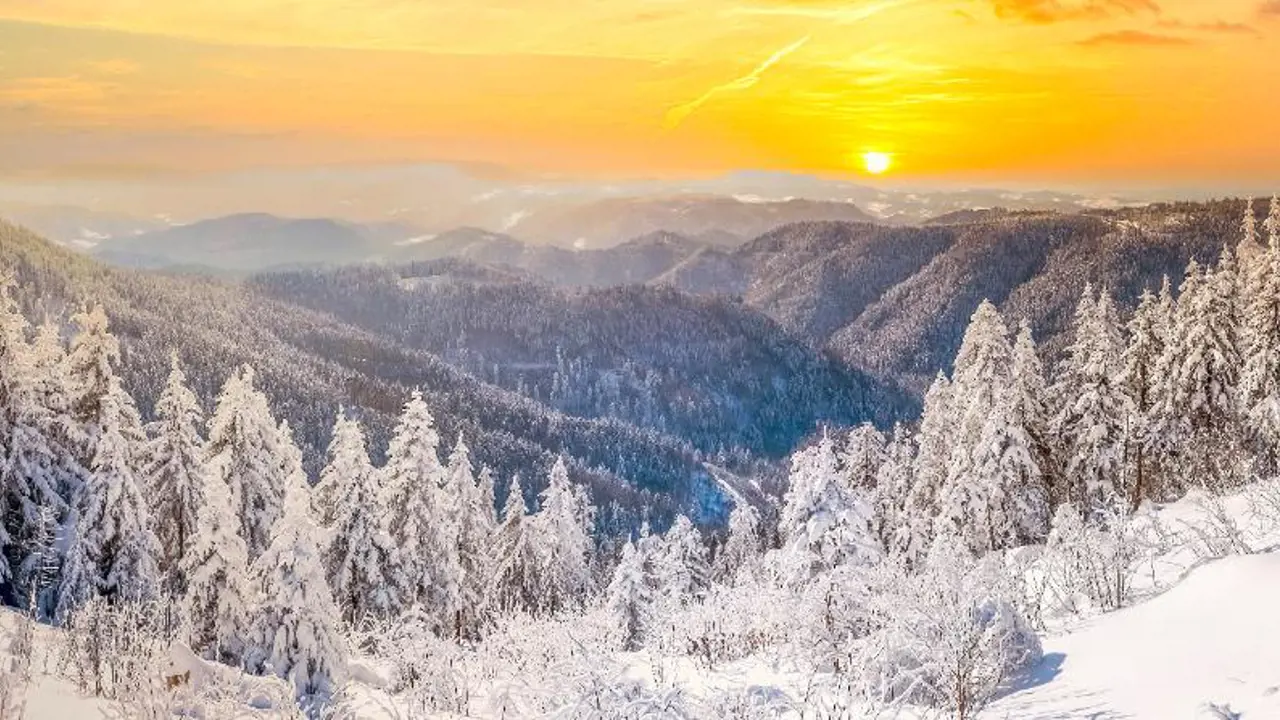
1214, 638
1204, 643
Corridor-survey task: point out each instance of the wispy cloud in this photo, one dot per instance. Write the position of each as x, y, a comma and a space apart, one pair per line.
114, 66
1220, 26
1135, 38
842, 14
1050, 11
1270, 8
677, 114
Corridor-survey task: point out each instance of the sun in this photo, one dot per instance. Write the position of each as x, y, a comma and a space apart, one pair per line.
877, 163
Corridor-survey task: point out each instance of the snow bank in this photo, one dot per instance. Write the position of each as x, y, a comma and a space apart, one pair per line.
1209, 645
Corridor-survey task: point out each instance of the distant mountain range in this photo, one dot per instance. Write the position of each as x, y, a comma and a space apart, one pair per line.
716, 214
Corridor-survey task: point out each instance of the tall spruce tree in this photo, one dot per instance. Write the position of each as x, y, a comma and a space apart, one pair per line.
361, 562
562, 532
245, 451
173, 473
112, 550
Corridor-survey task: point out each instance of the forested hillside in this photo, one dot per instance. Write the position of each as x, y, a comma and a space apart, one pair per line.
310, 364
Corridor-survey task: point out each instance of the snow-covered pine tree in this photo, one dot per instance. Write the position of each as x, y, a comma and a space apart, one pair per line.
218, 599
894, 482
30, 476
562, 532
863, 454
112, 550
1013, 455
488, 501
514, 584
1139, 379
973, 482
296, 621
630, 597
914, 535
413, 478
1092, 408
1205, 364
683, 568
742, 547
1260, 345
472, 522
244, 450
824, 522
361, 562
173, 474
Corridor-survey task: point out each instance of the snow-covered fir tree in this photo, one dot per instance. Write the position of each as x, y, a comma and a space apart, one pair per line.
743, 545
1013, 455
630, 599
1198, 414
972, 487
361, 562
244, 450
514, 582
295, 632
683, 567
1093, 411
562, 532
173, 474
413, 478
863, 455
471, 532
824, 521
218, 600
31, 477
1260, 346
914, 534
894, 482
1139, 378
112, 550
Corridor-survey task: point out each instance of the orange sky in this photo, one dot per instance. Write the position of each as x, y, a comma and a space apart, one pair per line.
970, 90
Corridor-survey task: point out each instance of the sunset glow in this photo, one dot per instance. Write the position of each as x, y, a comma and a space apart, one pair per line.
978, 90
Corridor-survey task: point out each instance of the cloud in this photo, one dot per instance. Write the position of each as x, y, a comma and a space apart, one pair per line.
114, 66
839, 14
1220, 26
677, 114
1136, 38
1270, 8
51, 92
1050, 11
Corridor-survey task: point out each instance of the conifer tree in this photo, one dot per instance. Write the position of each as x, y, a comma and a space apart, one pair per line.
244, 449
30, 470
515, 583
472, 522
1092, 408
562, 528
630, 597
1139, 378
112, 550
894, 482
684, 571
982, 372
218, 599
173, 472
413, 478
863, 454
742, 547
1260, 346
929, 473
295, 631
361, 563
824, 521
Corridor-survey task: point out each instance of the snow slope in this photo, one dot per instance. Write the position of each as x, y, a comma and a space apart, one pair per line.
1213, 638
